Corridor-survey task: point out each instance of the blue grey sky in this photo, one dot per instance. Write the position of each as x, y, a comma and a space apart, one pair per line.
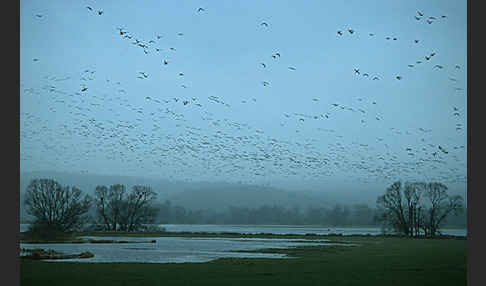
85, 106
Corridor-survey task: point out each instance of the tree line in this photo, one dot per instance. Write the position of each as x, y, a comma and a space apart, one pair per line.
410, 208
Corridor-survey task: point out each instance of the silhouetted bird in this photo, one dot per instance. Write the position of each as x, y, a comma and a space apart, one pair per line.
350, 31
428, 21
200, 9
416, 41
100, 12
399, 77
417, 18
89, 8
340, 33
292, 68
263, 65
356, 71
264, 24
185, 102
420, 14
376, 78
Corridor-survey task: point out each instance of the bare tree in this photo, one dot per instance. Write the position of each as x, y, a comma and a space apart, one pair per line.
109, 203
56, 207
403, 209
440, 206
137, 208
118, 210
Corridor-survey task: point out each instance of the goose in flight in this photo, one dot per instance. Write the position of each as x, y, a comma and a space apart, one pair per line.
420, 14
438, 66
35, 60
264, 65
458, 67
427, 58
200, 9
84, 89
185, 102
350, 31
166, 62
430, 22
356, 71
432, 18
371, 34
264, 24
181, 74
417, 18
416, 41
100, 12
292, 68
265, 83
340, 33
38, 15
376, 78
432, 54
158, 37
443, 16
398, 77
411, 66
89, 8
365, 74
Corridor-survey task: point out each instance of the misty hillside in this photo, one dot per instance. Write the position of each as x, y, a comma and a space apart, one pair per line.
191, 195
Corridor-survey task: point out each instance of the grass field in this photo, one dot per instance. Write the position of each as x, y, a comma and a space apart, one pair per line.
376, 261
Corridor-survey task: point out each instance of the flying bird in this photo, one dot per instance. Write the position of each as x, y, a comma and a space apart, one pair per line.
265, 83
84, 89
417, 18
438, 66
432, 54
371, 34
350, 31
443, 16
277, 54
394, 39
458, 67
100, 12
340, 33
264, 65
89, 8
185, 102
399, 77
411, 66
432, 18
416, 41
181, 74
387, 38
365, 74
166, 62
376, 78
420, 14
428, 21
35, 60
356, 71
427, 58
264, 24
200, 9
292, 68
38, 15
418, 62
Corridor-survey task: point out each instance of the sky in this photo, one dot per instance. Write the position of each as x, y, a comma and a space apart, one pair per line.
263, 92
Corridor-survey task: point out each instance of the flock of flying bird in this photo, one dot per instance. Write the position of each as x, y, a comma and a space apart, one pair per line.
213, 149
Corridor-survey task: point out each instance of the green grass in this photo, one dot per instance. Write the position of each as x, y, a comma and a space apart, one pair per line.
376, 261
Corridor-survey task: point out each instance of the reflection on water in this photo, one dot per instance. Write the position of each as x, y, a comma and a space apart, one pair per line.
173, 249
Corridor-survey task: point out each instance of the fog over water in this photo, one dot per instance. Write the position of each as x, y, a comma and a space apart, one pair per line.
246, 92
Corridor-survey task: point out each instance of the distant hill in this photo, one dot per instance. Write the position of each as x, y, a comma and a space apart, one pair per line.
191, 195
